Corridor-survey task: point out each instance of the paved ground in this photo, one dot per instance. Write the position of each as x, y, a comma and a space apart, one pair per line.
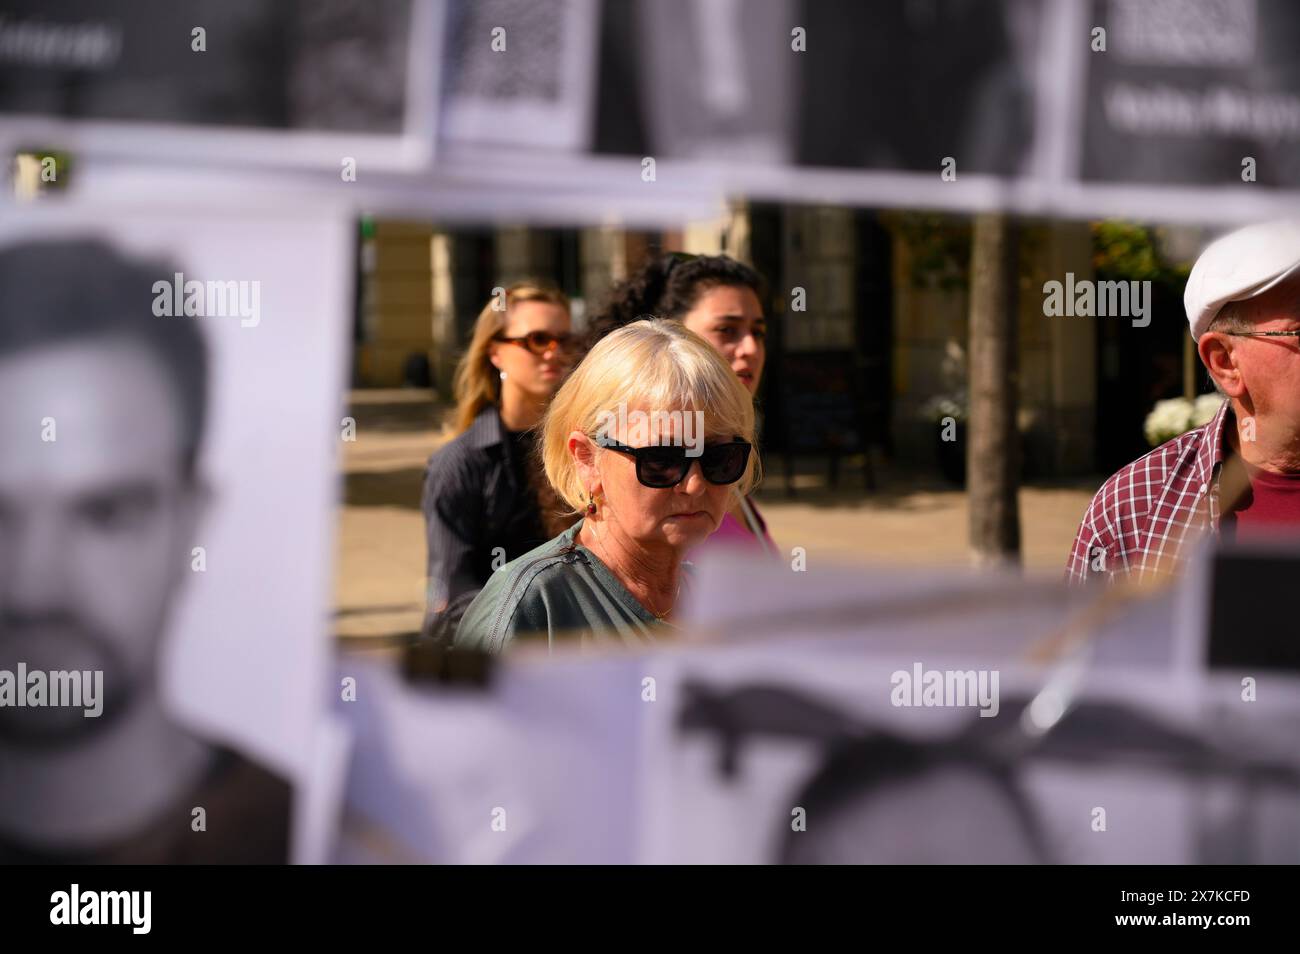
909, 519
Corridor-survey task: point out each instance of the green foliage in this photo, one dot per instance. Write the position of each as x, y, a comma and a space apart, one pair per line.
1125, 250
940, 246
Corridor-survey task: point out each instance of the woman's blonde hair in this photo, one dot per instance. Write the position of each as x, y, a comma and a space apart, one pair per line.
651, 366
478, 383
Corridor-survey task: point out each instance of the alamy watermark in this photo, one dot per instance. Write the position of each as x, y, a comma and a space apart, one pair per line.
129, 908
659, 428
1089, 299
195, 299
56, 688
948, 688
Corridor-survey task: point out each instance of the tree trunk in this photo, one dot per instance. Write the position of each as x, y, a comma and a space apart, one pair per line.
993, 445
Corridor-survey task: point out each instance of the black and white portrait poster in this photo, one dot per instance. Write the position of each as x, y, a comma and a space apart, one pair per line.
169, 421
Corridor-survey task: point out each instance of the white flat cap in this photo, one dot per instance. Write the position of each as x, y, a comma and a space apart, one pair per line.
1240, 265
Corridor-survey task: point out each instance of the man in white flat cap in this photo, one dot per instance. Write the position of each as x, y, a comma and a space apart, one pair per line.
1240, 473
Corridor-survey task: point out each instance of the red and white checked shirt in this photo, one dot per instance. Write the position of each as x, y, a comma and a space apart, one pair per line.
1145, 518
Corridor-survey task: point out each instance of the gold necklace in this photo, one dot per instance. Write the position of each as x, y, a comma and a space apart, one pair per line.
660, 616
605, 557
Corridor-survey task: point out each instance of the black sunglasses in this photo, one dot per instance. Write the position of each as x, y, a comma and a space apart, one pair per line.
663, 466
540, 342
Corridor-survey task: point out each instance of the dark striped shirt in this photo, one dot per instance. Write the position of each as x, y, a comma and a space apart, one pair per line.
479, 514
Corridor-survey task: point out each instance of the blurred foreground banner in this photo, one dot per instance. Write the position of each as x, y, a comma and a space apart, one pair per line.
215, 81
1199, 92
902, 717
1164, 109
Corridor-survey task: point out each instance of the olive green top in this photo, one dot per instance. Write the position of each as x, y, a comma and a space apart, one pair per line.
560, 588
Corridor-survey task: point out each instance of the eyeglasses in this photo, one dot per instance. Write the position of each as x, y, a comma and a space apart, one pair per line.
540, 342
663, 466
1265, 334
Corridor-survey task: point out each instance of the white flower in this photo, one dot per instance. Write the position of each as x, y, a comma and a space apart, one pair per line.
1206, 406
943, 406
1177, 416
1167, 420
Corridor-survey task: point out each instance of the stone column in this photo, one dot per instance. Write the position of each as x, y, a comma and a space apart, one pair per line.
396, 302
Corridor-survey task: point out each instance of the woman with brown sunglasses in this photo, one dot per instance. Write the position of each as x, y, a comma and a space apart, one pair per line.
485, 501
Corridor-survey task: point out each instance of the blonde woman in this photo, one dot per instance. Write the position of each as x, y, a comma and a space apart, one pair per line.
651, 440
720, 299
481, 505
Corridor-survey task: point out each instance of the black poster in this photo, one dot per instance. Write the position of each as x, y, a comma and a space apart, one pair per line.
143, 78
1193, 92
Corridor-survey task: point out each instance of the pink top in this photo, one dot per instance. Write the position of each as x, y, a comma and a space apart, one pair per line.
734, 533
